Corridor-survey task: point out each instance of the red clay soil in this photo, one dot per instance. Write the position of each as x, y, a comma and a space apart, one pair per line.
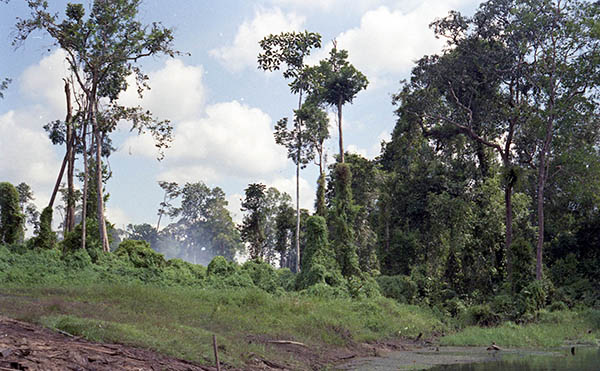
27, 347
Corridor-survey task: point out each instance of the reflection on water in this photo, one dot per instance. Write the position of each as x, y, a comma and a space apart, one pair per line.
583, 359
478, 358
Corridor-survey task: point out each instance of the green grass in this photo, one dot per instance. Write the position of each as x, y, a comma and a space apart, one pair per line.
180, 321
552, 330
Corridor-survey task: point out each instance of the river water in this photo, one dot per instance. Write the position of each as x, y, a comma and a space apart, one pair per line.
475, 359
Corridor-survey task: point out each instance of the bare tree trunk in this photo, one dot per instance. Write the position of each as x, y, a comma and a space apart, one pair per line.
339, 109
298, 189
542, 176
85, 184
99, 188
70, 211
68, 120
509, 229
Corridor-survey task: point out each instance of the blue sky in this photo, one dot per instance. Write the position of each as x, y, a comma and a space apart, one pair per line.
222, 107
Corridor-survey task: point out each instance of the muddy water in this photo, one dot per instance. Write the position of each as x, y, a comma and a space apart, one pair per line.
463, 359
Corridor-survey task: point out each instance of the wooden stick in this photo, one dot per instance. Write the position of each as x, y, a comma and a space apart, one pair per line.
216, 352
287, 342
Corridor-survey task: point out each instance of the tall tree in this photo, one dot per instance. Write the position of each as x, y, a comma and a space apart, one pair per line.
290, 49
337, 82
103, 49
253, 225
565, 77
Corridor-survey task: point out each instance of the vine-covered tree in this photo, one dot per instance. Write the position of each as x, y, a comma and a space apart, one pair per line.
12, 220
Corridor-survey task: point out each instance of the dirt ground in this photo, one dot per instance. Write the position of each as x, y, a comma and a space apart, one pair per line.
27, 347
24, 346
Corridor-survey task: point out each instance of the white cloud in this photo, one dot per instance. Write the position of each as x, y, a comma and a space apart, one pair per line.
384, 136
26, 153
390, 39
244, 50
356, 150
233, 140
329, 5
288, 185
117, 216
177, 92
43, 82
234, 204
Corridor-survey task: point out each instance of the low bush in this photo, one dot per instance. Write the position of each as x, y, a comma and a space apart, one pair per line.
401, 288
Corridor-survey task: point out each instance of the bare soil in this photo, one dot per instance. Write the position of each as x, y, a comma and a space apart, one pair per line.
28, 347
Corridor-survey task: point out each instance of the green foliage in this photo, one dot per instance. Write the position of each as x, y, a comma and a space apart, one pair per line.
480, 315
72, 240
263, 275
318, 262
253, 225
219, 266
400, 288
46, 238
77, 259
12, 221
522, 256
342, 219
140, 254
320, 206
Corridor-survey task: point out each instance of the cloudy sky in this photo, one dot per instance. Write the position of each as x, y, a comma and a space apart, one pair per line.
222, 107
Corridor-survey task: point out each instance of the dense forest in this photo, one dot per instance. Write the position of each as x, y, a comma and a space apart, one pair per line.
486, 196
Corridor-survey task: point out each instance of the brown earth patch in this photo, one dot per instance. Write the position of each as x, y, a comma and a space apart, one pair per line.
27, 347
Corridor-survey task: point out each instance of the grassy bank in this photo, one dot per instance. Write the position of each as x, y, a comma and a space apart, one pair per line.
550, 330
181, 321
135, 297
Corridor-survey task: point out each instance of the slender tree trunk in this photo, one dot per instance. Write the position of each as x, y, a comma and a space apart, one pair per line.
540, 210
86, 175
57, 183
70, 211
298, 188
68, 120
99, 190
509, 230
542, 176
339, 109
70, 214
543, 165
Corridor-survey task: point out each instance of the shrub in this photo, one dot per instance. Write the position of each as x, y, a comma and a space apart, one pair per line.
140, 254
455, 307
219, 266
363, 286
558, 306
286, 279
400, 287
481, 315
77, 259
322, 290
263, 275
182, 273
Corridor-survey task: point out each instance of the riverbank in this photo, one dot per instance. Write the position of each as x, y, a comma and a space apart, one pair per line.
254, 328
